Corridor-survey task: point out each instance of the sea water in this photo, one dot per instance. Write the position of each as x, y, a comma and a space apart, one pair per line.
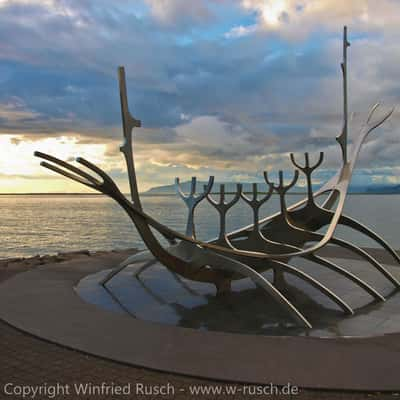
47, 224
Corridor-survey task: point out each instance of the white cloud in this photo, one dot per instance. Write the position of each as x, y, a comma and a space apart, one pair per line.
55, 7
15, 111
297, 18
239, 31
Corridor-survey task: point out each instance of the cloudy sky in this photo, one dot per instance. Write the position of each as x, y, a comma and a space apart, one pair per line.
222, 87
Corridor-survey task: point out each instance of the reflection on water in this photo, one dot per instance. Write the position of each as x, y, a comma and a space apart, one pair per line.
47, 224
160, 296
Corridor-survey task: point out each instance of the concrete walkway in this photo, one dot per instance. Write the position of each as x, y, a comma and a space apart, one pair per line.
27, 360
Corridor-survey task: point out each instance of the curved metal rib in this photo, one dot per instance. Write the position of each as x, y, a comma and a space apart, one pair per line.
322, 216
321, 261
312, 281
243, 269
309, 235
142, 256
362, 253
334, 267
324, 262
354, 224
313, 236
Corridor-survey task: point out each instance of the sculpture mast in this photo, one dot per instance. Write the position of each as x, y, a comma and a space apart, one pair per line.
128, 123
342, 138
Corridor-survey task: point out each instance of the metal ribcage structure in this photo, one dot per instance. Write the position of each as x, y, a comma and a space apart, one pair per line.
269, 243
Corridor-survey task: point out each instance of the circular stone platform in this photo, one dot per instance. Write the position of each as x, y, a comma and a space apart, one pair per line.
43, 302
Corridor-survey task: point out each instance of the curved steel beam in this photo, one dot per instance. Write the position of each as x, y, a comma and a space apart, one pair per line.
358, 226
295, 232
336, 268
315, 283
226, 263
142, 256
362, 253
261, 241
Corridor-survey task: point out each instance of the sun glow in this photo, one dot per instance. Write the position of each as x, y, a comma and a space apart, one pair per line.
20, 171
270, 11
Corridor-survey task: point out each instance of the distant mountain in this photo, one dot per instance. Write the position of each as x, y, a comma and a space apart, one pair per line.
230, 187
380, 189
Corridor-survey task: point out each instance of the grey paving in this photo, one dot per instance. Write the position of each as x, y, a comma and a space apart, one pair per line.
44, 303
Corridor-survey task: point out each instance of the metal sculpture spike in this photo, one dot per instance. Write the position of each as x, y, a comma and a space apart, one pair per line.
268, 243
342, 138
222, 208
192, 200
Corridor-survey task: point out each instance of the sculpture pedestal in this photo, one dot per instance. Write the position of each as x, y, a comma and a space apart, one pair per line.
44, 302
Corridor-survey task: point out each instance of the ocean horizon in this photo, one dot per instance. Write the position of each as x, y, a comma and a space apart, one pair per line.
40, 223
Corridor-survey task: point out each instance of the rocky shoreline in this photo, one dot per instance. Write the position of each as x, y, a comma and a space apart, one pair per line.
35, 261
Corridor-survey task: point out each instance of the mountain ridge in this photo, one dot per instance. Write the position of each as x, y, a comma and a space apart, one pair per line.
230, 187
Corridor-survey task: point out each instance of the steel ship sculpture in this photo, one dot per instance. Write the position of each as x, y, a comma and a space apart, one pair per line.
269, 243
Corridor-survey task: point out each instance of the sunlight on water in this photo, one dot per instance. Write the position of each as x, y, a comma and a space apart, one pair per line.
47, 224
